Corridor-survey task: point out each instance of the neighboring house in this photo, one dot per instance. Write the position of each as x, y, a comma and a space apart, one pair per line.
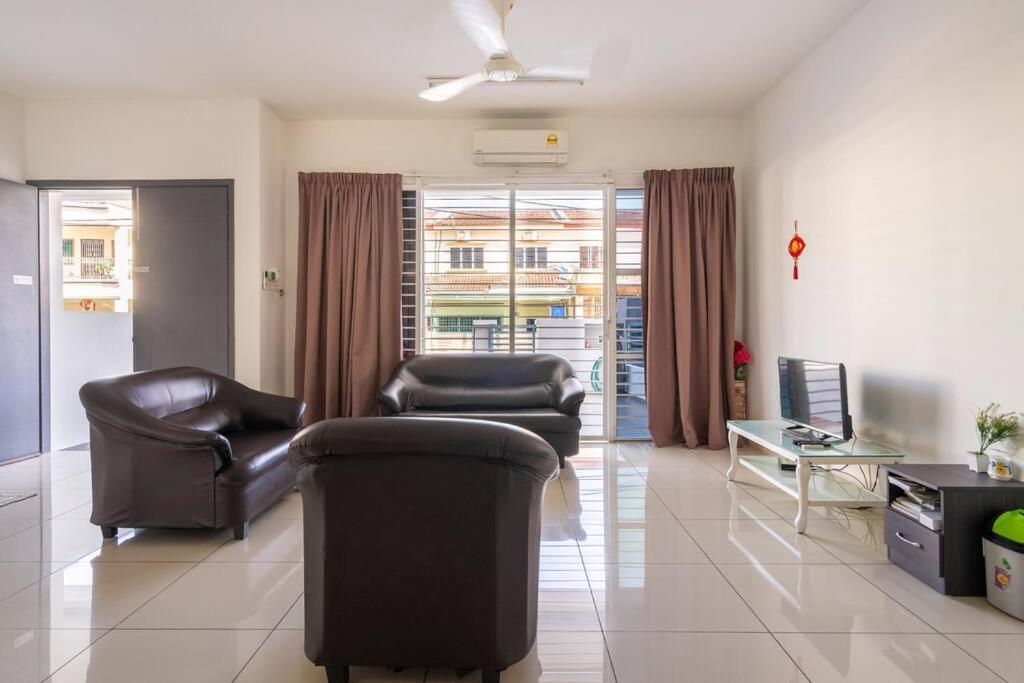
558, 262
97, 255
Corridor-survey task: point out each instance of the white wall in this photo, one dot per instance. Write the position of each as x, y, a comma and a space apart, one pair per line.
166, 139
444, 147
272, 305
897, 144
83, 346
12, 138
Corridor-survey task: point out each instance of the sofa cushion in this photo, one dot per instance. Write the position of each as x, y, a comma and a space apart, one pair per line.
537, 420
255, 453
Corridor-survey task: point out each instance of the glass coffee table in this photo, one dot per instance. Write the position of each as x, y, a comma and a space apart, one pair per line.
810, 485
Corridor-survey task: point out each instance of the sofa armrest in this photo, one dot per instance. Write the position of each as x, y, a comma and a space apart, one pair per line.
394, 396
568, 396
102, 409
261, 410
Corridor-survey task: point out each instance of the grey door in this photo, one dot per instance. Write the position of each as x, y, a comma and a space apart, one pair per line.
182, 278
19, 321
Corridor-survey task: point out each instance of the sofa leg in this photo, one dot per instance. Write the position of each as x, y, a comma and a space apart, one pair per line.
241, 531
337, 674
561, 462
490, 676
108, 531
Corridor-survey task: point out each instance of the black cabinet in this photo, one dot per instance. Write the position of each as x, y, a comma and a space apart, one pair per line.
948, 560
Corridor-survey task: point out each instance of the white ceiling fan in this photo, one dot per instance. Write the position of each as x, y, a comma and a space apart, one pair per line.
486, 23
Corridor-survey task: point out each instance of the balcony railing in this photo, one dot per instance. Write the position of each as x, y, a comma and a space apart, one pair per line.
90, 268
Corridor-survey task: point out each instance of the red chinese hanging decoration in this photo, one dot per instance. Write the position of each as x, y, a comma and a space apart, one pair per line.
796, 247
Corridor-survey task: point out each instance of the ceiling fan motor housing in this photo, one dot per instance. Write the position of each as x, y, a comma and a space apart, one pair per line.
503, 68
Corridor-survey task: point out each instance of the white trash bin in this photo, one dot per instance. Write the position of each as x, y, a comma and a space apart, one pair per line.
1003, 548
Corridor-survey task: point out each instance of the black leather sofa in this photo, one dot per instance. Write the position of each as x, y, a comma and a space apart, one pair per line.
184, 447
444, 572
538, 392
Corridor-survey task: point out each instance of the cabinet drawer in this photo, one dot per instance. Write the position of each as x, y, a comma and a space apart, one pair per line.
913, 547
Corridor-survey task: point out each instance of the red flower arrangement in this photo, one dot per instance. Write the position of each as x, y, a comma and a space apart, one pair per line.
740, 357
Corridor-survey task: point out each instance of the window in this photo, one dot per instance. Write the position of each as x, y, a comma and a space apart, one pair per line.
462, 324
630, 376
69, 248
516, 286
91, 248
590, 257
531, 257
467, 258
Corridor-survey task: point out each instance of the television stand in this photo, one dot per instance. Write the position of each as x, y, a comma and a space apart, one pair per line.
820, 488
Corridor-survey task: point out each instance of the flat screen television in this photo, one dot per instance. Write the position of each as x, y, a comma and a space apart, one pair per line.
813, 395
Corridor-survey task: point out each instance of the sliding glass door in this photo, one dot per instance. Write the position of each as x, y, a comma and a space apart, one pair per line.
521, 269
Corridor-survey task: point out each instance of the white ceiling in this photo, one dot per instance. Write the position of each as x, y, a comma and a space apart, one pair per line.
369, 58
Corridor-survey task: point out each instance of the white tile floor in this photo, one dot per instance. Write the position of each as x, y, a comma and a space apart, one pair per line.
654, 569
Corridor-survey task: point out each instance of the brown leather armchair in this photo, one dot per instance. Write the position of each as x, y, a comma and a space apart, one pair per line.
538, 392
184, 447
422, 540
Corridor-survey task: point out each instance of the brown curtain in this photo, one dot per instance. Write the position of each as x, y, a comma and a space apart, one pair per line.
348, 326
688, 280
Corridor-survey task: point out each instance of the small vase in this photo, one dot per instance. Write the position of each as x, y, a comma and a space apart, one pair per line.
977, 462
741, 372
1000, 467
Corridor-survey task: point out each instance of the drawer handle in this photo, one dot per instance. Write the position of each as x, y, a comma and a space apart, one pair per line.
899, 535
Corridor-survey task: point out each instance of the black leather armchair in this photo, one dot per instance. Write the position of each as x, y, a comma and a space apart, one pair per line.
184, 447
444, 573
538, 392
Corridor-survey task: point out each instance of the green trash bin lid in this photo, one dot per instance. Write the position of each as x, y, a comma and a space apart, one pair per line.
1010, 526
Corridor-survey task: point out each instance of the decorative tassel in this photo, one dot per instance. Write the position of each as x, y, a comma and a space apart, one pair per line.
795, 248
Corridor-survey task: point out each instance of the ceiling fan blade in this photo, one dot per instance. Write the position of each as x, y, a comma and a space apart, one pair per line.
481, 21
446, 91
557, 73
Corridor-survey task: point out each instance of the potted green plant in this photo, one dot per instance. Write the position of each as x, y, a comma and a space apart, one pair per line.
993, 427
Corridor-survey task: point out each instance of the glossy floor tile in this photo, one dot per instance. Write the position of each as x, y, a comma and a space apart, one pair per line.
556, 657
893, 658
280, 659
723, 502
653, 567
667, 597
849, 538
89, 595
270, 540
819, 598
161, 545
206, 656
701, 658
944, 613
29, 655
651, 541
1003, 654
242, 595
738, 541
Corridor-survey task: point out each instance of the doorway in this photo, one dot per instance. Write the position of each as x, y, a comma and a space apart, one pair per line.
140, 278
90, 257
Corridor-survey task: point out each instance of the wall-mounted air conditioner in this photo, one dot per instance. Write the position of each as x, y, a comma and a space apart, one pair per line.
520, 147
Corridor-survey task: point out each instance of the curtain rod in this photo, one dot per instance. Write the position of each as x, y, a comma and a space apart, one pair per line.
517, 174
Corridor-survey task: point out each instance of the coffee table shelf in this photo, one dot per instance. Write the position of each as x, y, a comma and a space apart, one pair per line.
810, 486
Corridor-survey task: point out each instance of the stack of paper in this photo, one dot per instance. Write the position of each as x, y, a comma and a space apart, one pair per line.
920, 503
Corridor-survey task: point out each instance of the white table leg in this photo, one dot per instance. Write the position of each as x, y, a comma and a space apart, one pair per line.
733, 444
803, 480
